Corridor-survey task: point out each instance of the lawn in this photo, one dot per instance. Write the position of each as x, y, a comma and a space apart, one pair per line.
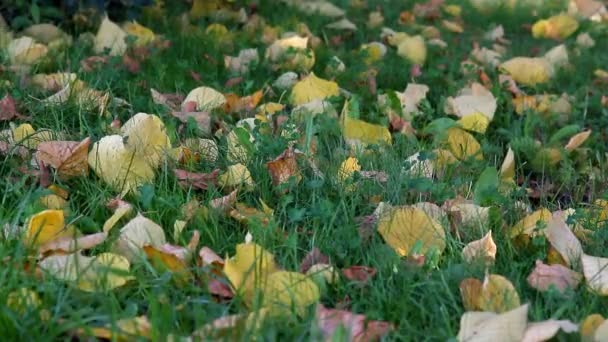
411, 170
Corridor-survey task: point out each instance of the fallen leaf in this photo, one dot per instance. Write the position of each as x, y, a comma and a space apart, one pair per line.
110, 36
136, 234
470, 290
487, 326
103, 272
557, 27
483, 249
362, 274
357, 326
595, 270
313, 88
8, 109
121, 209
528, 225
236, 104
232, 327
564, 241
206, 99
589, 326
143, 35
225, 203
413, 49
26, 51
544, 276
236, 175
242, 63
286, 292
577, 140
319, 7
69, 158
528, 70
411, 231
462, 144
546, 330
249, 269
291, 53
360, 133
284, 167
498, 294
200, 181
46, 226
70, 244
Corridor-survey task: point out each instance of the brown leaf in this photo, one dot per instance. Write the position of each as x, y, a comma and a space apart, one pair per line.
224, 203
195, 180
367, 227
543, 276
313, 257
131, 64
209, 258
359, 330
219, 288
93, 62
379, 176
69, 158
8, 109
171, 101
429, 10
284, 167
202, 119
361, 274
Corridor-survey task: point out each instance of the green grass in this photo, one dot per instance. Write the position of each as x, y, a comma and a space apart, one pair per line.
423, 303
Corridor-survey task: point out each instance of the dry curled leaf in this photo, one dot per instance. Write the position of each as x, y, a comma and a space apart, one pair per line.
284, 167
200, 181
362, 274
357, 327
483, 250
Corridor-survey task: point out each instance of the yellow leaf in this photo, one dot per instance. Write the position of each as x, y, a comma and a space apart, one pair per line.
413, 49
143, 34
507, 169
577, 140
557, 27
25, 51
206, 98
126, 165
476, 122
106, 271
527, 225
348, 168
589, 326
119, 213
287, 292
46, 226
291, 53
53, 201
472, 101
406, 228
110, 36
237, 153
23, 300
498, 294
136, 234
119, 166
358, 132
146, 136
528, 70
249, 268
313, 88
470, 288
462, 144
235, 176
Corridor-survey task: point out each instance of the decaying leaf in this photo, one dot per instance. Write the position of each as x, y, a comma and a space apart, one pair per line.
357, 327
284, 168
543, 277
528, 225
110, 36
564, 241
69, 158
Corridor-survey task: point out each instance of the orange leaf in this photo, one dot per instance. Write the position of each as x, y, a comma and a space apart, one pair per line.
69, 158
